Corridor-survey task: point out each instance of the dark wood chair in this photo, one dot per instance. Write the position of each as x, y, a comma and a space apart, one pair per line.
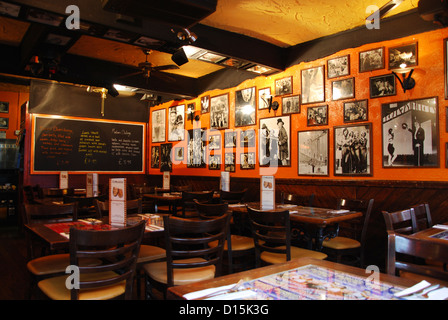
423, 217
189, 256
118, 250
402, 246
240, 249
291, 198
138, 191
232, 197
271, 232
86, 205
134, 206
341, 246
170, 207
402, 221
188, 205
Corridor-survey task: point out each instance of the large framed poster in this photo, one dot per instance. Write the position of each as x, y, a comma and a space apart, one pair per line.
410, 132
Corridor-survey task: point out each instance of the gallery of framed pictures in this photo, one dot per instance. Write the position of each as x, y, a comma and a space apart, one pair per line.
410, 133
275, 141
353, 150
313, 152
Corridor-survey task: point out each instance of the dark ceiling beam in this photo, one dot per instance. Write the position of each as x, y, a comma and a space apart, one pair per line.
398, 26
31, 42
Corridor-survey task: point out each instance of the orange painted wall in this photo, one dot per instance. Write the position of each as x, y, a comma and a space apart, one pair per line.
15, 99
429, 77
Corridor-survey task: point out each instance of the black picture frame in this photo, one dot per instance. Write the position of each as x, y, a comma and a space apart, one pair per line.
317, 116
229, 161
382, 86
313, 85
271, 154
283, 86
410, 133
356, 111
343, 89
205, 104
4, 107
338, 67
214, 162
291, 104
166, 163
197, 148
371, 60
247, 138
158, 127
404, 54
219, 112
247, 161
264, 94
246, 107
4, 123
155, 157
176, 123
353, 150
230, 138
313, 152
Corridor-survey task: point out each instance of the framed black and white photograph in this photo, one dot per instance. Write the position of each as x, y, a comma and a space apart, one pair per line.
245, 107
338, 67
382, 86
247, 161
219, 112
355, 111
410, 131
275, 141
166, 163
214, 142
176, 123
291, 104
264, 95
371, 60
196, 148
158, 122
205, 104
230, 139
155, 156
317, 116
283, 86
191, 108
4, 123
403, 56
313, 85
229, 162
247, 138
343, 89
214, 162
179, 153
4, 107
313, 152
353, 150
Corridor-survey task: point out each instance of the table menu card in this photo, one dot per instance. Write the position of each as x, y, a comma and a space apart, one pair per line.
166, 180
117, 201
63, 180
225, 181
92, 185
267, 192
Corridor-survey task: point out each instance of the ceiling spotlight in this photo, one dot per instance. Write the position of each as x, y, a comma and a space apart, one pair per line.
185, 35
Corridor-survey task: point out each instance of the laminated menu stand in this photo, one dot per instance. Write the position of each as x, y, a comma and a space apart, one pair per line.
63, 180
92, 185
117, 202
267, 192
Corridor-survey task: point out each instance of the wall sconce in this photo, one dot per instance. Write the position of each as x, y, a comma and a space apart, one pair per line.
408, 82
103, 92
272, 105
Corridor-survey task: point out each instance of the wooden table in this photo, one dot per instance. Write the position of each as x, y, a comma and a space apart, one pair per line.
171, 198
312, 221
391, 283
428, 234
55, 241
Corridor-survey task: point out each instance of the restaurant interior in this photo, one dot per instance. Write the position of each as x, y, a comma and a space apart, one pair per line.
299, 140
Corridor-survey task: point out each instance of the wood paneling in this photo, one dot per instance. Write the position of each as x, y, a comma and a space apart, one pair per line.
388, 195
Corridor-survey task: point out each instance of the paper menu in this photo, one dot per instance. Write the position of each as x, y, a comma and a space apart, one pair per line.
225, 181
63, 180
267, 192
166, 180
92, 185
117, 201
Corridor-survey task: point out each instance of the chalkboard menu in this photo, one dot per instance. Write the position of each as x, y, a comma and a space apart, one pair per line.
74, 144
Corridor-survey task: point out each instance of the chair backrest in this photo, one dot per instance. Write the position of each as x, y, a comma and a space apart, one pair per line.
271, 232
415, 248
50, 212
188, 198
132, 206
55, 192
358, 228
181, 188
291, 198
423, 217
190, 238
233, 196
211, 210
85, 204
138, 191
118, 249
402, 221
